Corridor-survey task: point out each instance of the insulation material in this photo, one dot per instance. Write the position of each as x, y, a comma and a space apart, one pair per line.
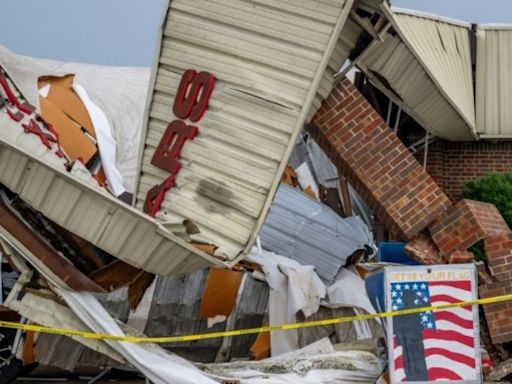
293, 288
106, 142
316, 363
220, 292
71, 105
307, 181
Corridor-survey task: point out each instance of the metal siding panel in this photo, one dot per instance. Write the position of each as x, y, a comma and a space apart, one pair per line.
311, 233
418, 95
444, 50
90, 212
494, 82
266, 57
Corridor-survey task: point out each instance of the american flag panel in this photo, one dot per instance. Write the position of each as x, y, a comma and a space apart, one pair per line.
435, 345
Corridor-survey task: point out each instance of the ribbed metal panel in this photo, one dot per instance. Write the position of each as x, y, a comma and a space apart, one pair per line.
311, 233
494, 81
40, 178
407, 83
445, 51
346, 42
426, 69
268, 58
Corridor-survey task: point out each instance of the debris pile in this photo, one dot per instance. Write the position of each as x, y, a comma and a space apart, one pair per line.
268, 221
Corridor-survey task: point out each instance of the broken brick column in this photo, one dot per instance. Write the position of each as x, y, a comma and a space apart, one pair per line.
464, 224
377, 164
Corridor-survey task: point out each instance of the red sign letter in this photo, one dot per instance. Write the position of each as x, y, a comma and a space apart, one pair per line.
156, 195
169, 149
190, 101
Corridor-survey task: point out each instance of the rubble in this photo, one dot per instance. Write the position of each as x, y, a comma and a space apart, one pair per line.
268, 173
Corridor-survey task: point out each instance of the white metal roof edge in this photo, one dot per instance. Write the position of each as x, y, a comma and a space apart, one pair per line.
347, 7
159, 229
492, 26
390, 15
431, 16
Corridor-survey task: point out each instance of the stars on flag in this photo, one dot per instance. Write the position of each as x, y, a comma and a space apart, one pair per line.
421, 297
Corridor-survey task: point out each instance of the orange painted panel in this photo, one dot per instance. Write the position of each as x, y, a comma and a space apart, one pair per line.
68, 101
221, 289
74, 142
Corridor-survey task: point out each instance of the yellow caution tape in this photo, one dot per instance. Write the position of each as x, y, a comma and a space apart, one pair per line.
240, 332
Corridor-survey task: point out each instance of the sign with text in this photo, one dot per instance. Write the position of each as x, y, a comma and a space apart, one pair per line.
440, 345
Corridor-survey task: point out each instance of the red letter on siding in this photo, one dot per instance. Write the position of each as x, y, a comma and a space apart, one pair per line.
169, 149
193, 95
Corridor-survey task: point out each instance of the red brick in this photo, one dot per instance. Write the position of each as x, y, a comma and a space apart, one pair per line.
498, 250
498, 316
453, 164
464, 224
376, 163
422, 249
461, 257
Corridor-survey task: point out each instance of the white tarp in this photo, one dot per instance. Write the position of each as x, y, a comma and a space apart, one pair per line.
120, 92
157, 365
106, 142
295, 287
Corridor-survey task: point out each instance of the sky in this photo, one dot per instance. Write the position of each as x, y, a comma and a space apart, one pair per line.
124, 32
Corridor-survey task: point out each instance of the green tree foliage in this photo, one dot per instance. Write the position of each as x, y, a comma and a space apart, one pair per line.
495, 188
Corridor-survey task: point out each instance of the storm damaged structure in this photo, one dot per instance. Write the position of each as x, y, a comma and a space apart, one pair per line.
190, 221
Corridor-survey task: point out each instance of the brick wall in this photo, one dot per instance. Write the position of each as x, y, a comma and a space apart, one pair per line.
498, 316
452, 165
382, 170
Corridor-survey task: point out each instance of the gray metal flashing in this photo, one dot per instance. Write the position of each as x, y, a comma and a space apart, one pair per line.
431, 16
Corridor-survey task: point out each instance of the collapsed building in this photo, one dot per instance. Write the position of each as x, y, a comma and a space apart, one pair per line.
279, 145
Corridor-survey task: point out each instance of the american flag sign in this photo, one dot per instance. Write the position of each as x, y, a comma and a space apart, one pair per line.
436, 345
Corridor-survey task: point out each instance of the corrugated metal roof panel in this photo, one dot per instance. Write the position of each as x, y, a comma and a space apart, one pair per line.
444, 50
427, 70
394, 69
494, 81
311, 233
87, 210
268, 59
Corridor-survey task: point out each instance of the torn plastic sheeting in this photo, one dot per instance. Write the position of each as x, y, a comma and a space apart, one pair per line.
294, 288
106, 142
48, 312
220, 292
349, 290
157, 365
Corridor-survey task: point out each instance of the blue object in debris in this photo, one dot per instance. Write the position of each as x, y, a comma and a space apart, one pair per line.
393, 252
